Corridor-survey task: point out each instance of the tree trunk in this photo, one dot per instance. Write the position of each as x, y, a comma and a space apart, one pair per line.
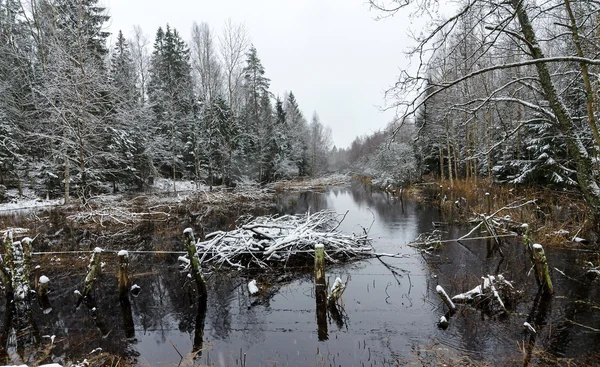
564, 122
449, 153
589, 99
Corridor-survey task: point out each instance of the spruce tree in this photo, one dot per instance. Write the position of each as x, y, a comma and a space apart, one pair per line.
172, 100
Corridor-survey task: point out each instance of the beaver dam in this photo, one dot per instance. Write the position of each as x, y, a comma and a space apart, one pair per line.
373, 300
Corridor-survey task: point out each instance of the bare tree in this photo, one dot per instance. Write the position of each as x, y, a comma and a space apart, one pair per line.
234, 44
140, 54
529, 27
205, 63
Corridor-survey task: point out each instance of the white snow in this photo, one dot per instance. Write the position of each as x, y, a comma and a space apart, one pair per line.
123, 253
28, 201
44, 279
529, 327
319, 245
184, 259
537, 246
97, 250
135, 287
337, 283
443, 321
443, 293
188, 230
252, 288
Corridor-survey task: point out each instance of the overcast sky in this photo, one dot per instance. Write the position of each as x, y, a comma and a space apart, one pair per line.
336, 58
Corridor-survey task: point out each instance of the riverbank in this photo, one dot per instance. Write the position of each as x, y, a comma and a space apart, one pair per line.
556, 218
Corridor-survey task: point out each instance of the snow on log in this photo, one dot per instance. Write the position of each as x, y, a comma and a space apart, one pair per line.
444, 296
337, 289
529, 328
267, 240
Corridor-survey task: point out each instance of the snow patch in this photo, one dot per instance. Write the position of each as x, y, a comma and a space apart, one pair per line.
123, 253
44, 279
252, 288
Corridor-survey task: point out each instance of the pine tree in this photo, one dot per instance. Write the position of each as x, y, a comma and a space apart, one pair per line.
298, 130
16, 110
131, 162
73, 95
256, 118
171, 98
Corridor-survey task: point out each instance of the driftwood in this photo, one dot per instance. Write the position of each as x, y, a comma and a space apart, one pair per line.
491, 222
267, 241
491, 291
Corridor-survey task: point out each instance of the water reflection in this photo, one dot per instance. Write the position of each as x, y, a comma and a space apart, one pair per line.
387, 312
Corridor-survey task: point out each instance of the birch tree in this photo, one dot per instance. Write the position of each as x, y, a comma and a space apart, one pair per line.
523, 23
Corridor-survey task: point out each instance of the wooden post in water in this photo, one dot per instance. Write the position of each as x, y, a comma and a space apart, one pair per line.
6, 263
43, 284
42, 291
190, 246
123, 258
541, 266
4, 275
321, 292
319, 264
93, 269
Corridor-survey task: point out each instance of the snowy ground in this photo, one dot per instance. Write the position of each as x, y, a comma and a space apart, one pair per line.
184, 188
29, 201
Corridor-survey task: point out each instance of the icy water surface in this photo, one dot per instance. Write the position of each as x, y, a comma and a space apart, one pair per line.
388, 318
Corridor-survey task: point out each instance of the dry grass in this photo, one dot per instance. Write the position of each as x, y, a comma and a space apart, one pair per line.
554, 219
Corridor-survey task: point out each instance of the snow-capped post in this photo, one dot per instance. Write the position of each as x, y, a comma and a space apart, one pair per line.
43, 284
444, 296
319, 264
488, 203
123, 258
190, 246
93, 269
42, 292
541, 266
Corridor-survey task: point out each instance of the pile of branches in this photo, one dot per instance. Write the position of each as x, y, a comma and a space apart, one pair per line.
494, 294
289, 239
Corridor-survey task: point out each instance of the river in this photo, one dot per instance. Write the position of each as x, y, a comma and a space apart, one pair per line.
389, 317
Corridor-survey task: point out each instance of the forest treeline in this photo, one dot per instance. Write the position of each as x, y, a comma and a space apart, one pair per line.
79, 116
504, 90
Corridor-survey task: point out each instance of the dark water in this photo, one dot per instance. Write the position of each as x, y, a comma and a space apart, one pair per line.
387, 319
